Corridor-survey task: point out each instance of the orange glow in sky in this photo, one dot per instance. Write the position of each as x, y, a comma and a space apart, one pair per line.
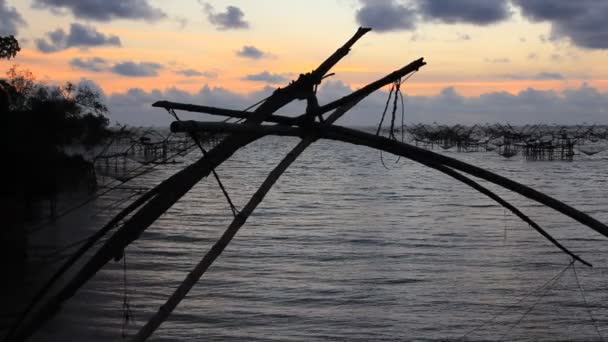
184, 49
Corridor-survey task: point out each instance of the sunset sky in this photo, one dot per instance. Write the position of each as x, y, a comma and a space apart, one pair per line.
519, 61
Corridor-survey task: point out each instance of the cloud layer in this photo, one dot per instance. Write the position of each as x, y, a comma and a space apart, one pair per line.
10, 20
126, 68
105, 10
386, 15
583, 21
572, 106
195, 73
267, 77
79, 36
134, 69
395, 15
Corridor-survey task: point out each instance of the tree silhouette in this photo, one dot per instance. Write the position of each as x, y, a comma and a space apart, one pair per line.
9, 46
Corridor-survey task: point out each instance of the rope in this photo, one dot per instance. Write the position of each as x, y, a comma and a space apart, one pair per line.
233, 208
398, 95
402, 122
548, 283
97, 195
127, 314
394, 113
115, 204
248, 108
388, 100
595, 324
504, 218
546, 290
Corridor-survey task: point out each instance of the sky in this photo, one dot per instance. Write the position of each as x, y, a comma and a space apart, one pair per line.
505, 61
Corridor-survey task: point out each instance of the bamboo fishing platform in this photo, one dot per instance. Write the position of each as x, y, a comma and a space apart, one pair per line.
316, 123
533, 142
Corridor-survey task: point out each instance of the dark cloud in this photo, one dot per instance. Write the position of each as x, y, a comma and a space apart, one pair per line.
249, 51
386, 15
582, 21
196, 73
265, 76
104, 10
128, 68
540, 76
232, 19
133, 69
479, 12
10, 20
79, 36
95, 64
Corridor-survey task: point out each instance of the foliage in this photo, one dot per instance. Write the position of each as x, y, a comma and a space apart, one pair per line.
9, 46
36, 122
55, 115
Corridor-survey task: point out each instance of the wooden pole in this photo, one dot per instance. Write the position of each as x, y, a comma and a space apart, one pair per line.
356, 137
172, 189
216, 250
192, 278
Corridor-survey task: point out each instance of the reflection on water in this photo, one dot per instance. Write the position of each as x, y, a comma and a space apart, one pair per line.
344, 249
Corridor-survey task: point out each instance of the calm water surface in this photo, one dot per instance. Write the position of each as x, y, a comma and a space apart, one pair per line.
345, 249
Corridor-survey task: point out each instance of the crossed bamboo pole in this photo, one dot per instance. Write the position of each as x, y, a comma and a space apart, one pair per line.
356, 137
311, 134
151, 205
159, 199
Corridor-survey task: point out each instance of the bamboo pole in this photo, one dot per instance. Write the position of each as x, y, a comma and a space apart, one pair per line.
88, 244
192, 278
356, 137
172, 189
239, 114
358, 94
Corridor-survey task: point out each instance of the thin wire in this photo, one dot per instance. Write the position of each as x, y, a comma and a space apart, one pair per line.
56, 257
62, 249
97, 195
127, 314
526, 296
248, 108
595, 325
504, 218
233, 208
115, 204
521, 318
